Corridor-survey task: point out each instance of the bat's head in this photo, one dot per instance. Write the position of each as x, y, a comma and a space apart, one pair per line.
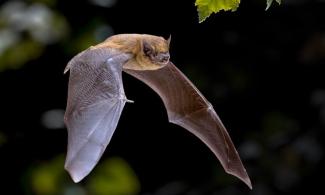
154, 52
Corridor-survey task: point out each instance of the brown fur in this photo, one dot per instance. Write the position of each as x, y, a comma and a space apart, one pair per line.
133, 44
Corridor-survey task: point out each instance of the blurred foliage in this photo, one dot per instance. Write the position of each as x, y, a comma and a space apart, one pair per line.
93, 33
112, 176
15, 57
47, 178
25, 29
206, 7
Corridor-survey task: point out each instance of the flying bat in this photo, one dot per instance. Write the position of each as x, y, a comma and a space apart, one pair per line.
96, 99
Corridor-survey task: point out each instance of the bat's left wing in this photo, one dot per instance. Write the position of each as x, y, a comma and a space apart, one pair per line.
95, 102
187, 107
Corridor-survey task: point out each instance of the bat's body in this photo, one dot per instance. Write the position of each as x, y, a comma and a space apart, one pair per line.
96, 99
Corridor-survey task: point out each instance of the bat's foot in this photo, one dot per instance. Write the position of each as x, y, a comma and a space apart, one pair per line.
123, 98
127, 100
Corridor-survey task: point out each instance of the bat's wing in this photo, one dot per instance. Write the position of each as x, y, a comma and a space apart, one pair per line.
95, 102
187, 107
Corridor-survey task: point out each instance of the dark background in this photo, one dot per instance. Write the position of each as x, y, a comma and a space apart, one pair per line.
263, 71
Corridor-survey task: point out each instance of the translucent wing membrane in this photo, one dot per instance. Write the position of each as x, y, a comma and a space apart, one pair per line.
187, 107
95, 103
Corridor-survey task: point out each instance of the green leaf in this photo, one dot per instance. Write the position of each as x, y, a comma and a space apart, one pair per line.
206, 7
269, 3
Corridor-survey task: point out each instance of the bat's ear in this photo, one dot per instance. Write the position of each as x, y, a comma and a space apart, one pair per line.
169, 39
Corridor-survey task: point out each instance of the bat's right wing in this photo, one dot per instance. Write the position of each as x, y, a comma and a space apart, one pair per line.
187, 107
95, 102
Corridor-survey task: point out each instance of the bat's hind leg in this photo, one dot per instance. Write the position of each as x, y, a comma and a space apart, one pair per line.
124, 98
128, 101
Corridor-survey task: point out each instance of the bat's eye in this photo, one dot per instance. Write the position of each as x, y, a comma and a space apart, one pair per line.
147, 51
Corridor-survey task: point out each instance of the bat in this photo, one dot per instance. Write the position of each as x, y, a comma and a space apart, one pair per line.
96, 99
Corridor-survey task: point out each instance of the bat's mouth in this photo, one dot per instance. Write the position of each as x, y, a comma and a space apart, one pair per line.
162, 58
